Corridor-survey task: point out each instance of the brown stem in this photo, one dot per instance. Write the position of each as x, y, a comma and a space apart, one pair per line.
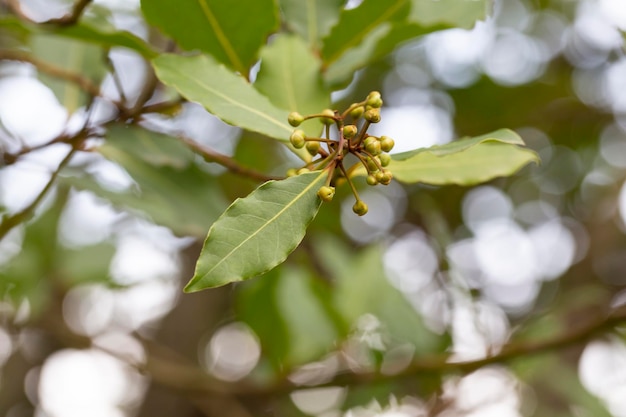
9, 222
212, 156
47, 68
68, 20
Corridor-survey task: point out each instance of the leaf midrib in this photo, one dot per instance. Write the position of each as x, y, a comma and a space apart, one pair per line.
234, 102
280, 212
221, 37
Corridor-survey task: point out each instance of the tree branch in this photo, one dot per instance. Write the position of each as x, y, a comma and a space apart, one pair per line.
67, 20
229, 163
47, 68
9, 222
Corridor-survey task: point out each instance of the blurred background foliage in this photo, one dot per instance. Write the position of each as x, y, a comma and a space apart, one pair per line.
505, 299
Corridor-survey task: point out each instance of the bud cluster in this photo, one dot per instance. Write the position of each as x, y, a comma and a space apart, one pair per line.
371, 151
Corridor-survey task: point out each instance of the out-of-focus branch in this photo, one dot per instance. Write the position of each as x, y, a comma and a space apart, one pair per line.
9, 222
52, 70
170, 370
229, 163
67, 20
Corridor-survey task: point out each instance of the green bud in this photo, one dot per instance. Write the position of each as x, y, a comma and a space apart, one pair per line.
385, 159
359, 207
313, 147
297, 138
357, 112
349, 131
295, 118
373, 94
329, 119
372, 145
386, 178
386, 143
371, 165
371, 180
326, 193
372, 115
375, 102
380, 176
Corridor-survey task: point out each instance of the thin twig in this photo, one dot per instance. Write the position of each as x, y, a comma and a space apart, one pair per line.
229, 163
170, 370
9, 222
50, 69
73, 16
67, 20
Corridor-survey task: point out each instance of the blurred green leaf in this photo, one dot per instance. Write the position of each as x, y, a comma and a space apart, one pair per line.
290, 78
232, 33
86, 30
362, 288
87, 264
171, 188
107, 37
313, 19
426, 16
71, 55
462, 14
464, 162
355, 25
256, 233
223, 93
286, 310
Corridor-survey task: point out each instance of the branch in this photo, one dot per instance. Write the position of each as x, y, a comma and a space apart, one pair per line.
210, 155
73, 16
9, 222
67, 20
47, 68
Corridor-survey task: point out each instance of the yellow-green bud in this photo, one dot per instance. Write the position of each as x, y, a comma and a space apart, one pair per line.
313, 147
326, 193
292, 172
385, 159
372, 145
386, 178
303, 171
357, 112
329, 120
297, 138
372, 115
359, 207
375, 102
295, 119
371, 165
349, 131
386, 143
371, 180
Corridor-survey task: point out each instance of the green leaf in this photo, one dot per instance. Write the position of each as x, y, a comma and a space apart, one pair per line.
71, 55
225, 94
460, 145
355, 24
107, 37
462, 14
86, 30
361, 288
256, 233
290, 77
231, 32
172, 190
479, 163
426, 16
295, 326
313, 19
